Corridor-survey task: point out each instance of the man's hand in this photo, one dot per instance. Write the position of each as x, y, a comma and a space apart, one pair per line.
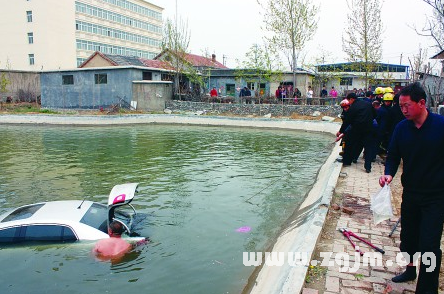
339, 136
385, 179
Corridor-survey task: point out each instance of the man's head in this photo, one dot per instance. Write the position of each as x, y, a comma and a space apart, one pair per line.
388, 98
412, 100
351, 97
376, 104
345, 104
115, 229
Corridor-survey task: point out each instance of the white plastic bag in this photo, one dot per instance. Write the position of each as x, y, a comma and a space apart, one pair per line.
381, 205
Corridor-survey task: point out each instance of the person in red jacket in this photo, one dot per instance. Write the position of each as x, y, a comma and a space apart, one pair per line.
213, 92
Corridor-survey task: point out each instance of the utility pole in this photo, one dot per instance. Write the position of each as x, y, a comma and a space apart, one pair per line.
400, 60
224, 57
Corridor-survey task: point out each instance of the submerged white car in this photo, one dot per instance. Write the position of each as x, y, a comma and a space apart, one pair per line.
67, 221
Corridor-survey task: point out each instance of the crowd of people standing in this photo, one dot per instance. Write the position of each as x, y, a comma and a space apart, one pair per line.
288, 94
368, 124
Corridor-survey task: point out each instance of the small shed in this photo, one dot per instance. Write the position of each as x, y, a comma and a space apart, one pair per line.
102, 87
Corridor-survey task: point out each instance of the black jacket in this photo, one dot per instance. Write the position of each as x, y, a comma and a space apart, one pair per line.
360, 116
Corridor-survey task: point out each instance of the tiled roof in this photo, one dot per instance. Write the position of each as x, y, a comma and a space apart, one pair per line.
156, 63
121, 60
125, 60
198, 61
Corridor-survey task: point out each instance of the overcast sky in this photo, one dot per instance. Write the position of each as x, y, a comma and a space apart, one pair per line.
230, 27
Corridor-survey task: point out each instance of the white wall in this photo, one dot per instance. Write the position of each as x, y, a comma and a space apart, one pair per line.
53, 29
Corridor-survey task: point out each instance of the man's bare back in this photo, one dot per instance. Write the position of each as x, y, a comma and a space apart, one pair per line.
113, 247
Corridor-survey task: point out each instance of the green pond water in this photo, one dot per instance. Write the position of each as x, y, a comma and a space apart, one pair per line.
194, 183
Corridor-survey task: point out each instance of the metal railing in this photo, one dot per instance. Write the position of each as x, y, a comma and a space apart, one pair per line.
268, 100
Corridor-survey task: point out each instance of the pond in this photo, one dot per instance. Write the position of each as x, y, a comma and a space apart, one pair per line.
198, 186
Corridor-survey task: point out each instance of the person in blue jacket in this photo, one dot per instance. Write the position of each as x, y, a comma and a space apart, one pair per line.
419, 142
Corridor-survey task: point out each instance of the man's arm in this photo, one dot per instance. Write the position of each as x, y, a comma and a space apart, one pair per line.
392, 161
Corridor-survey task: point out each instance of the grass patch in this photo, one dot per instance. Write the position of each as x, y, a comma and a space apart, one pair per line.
315, 273
23, 107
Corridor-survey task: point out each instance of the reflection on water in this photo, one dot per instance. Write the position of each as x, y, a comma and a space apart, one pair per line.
194, 187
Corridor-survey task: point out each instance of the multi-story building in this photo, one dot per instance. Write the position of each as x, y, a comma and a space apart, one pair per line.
61, 34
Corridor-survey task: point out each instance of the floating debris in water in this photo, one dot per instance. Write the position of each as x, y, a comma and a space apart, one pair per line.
243, 229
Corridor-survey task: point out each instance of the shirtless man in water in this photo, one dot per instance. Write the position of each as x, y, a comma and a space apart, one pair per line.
114, 246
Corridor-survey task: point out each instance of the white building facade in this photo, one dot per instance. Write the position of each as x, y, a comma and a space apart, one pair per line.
61, 34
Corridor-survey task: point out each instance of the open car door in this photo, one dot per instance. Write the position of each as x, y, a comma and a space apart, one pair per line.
121, 195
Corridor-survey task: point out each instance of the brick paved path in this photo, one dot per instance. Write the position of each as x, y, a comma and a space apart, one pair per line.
356, 187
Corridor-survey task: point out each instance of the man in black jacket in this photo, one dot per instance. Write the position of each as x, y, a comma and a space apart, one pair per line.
419, 142
360, 118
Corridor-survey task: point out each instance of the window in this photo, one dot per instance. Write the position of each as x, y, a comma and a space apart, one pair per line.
261, 89
49, 233
251, 85
96, 217
31, 38
31, 59
22, 212
29, 16
166, 77
346, 81
67, 80
147, 76
101, 79
9, 235
231, 88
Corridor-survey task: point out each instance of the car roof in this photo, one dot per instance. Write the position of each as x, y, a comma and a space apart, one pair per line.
63, 211
69, 210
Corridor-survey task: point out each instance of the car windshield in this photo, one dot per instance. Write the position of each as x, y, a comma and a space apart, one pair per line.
23, 212
96, 217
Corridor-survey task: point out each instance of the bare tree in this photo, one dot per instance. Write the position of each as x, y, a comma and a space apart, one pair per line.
418, 64
322, 77
292, 23
434, 27
175, 43
362, 41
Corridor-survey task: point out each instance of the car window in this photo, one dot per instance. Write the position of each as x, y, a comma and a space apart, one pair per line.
9, 235
49, 233
23, 212
31, 233
96, 217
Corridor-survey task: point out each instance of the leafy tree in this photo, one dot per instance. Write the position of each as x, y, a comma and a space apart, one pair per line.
292, 23
362, 41
260, 64
4, 82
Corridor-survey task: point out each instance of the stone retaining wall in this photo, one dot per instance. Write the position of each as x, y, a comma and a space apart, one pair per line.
252, 109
